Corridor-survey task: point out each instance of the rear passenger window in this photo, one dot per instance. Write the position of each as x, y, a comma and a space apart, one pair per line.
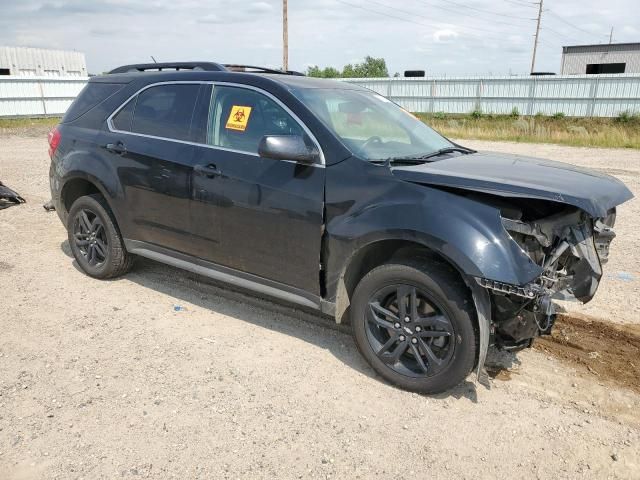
239, 118
164, 111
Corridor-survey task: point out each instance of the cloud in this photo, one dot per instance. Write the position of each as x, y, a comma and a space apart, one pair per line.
77, 7
210, 18
495, 36
259, 7
445, 35
241, 14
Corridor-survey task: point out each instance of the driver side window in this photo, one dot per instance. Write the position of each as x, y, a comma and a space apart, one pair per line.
239, 118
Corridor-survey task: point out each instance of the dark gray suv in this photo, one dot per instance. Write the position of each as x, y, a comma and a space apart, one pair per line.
330, 196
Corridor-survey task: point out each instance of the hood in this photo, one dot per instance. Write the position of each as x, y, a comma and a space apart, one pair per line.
518, 176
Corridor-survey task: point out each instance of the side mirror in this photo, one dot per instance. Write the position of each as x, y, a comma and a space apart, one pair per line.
288, 147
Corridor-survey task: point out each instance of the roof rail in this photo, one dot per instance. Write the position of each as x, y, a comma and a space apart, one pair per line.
253, 69
175, 66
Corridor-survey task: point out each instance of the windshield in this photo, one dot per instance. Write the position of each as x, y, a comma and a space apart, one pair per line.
371, 126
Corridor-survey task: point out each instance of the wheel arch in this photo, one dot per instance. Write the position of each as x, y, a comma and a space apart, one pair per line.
80, 185
378, 251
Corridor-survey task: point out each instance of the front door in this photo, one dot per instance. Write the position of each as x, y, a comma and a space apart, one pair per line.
253, 214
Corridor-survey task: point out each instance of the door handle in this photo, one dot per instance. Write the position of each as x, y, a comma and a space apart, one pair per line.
117, 147
209, 171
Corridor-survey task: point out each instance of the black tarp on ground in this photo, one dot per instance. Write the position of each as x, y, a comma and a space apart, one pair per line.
8, 197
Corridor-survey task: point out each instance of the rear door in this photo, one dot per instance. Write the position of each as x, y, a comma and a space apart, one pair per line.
253, 214
149, 146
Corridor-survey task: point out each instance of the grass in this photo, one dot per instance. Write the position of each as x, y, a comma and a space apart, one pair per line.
620, 132
22, 122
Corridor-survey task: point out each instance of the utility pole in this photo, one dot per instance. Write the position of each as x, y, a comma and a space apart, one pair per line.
535, 42
285, 37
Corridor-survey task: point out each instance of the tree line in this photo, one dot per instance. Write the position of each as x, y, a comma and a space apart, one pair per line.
371, 67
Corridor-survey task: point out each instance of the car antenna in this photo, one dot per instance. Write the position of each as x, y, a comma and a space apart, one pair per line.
154, 60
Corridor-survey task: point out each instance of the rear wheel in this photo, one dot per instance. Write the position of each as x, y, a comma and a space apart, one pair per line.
95, 240
414, 323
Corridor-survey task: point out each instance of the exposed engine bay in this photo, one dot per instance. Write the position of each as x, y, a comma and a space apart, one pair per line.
568, 245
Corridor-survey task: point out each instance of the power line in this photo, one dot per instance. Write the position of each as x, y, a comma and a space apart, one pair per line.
559, 34
484, 11
472, 15
402, 19
575, 26
413, 14
522, 4
425, 24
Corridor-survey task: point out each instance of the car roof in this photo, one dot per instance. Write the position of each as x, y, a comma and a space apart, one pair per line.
310, 82
290, 82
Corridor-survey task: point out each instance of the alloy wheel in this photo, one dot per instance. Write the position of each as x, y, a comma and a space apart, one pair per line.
408, 331
90, 237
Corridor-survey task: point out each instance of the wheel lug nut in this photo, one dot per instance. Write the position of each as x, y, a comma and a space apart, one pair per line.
396, 325
414, 340
418, 329
402, 338
407, 319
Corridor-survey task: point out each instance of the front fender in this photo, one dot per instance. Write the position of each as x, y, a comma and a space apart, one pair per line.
468, 233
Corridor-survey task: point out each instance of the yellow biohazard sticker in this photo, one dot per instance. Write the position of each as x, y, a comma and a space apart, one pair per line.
238, 118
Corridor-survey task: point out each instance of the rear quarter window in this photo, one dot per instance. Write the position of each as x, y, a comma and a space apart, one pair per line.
91, 95
122, 119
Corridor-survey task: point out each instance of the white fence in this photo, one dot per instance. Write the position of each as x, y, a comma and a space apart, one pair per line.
37, 96
573, 95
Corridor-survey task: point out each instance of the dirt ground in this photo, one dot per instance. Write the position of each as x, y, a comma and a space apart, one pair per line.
607, 350
162, 374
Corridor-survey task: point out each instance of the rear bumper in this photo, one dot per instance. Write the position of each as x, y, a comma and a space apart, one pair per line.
55, 186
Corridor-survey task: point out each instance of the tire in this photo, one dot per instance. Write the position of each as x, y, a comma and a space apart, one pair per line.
100, 252
442, 325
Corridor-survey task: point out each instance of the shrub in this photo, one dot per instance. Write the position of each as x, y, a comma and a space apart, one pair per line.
540, 115
628, 117
515, 113
440, 115
477, 113
559, 115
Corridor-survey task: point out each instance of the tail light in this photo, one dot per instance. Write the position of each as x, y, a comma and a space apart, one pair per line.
54, 141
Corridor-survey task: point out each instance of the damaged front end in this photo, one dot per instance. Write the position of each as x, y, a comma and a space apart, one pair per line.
569, 246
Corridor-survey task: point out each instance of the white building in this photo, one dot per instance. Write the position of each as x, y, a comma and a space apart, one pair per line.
41, 62
597, 59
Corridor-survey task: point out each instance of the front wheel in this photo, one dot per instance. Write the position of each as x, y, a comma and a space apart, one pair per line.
414, 323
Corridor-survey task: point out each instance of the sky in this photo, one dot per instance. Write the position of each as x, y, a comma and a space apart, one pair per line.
442, 37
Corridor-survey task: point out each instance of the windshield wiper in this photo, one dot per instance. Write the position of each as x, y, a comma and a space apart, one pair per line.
444, 151
417, 159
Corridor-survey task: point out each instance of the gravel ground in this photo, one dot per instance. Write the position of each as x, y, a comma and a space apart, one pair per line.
162, 374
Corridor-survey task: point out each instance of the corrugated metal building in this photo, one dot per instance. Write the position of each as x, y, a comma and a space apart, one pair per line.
40, 62
597, 59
